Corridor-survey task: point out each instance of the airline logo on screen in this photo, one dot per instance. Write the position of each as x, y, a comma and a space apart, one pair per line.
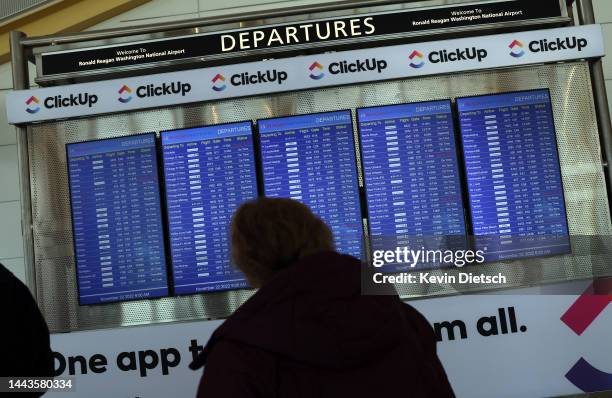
32, 105
60, 101
249, 78
579, 317
516, 49
417, 59
316, 71
125, 94
219, 82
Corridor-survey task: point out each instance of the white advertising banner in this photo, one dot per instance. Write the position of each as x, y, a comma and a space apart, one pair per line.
305, 72
524, 345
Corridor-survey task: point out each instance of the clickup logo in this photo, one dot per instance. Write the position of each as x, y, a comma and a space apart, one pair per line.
516, 49
32, 105
558, 44
219, 82
125, 94
61, 101
316, 71
417, 59
580, 316
248, 78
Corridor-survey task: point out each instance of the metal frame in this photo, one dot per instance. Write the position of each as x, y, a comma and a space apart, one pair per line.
586, 16
580, 157
23, 47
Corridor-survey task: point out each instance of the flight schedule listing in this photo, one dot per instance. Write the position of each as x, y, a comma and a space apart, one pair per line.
412, 182
117, 220
208, 171
514, 176
311, 158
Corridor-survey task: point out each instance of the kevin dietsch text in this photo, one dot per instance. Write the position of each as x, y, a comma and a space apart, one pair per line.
462, 278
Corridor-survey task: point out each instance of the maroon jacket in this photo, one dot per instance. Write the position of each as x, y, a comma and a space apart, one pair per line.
310, 333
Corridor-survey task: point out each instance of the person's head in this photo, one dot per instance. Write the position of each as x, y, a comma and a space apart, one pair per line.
268, 235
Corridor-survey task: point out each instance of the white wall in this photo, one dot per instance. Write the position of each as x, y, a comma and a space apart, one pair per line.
173, 10
11, 247
11, 244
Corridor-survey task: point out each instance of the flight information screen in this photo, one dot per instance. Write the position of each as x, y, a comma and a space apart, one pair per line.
514, 177
411, 172
117, 221
209, 171
311, 158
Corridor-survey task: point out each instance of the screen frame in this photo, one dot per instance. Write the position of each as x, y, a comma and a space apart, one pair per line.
458, 157
549, 103
166, 220
162, 209
360, 193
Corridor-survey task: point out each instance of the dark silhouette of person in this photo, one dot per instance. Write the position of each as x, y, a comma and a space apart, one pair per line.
26, 349
308, 331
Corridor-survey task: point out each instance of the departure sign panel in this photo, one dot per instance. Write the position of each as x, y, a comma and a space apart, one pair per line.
514, 177
209, 172
311, 158
411, 174
117, 222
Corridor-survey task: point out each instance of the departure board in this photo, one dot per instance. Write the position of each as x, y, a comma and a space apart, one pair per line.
412, 182
513, 173
208, 171
311, 158
117, 221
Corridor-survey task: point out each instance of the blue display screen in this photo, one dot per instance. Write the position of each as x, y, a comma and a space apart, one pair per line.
311, 158
412, 182
117, 221
209, 172
513, 173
